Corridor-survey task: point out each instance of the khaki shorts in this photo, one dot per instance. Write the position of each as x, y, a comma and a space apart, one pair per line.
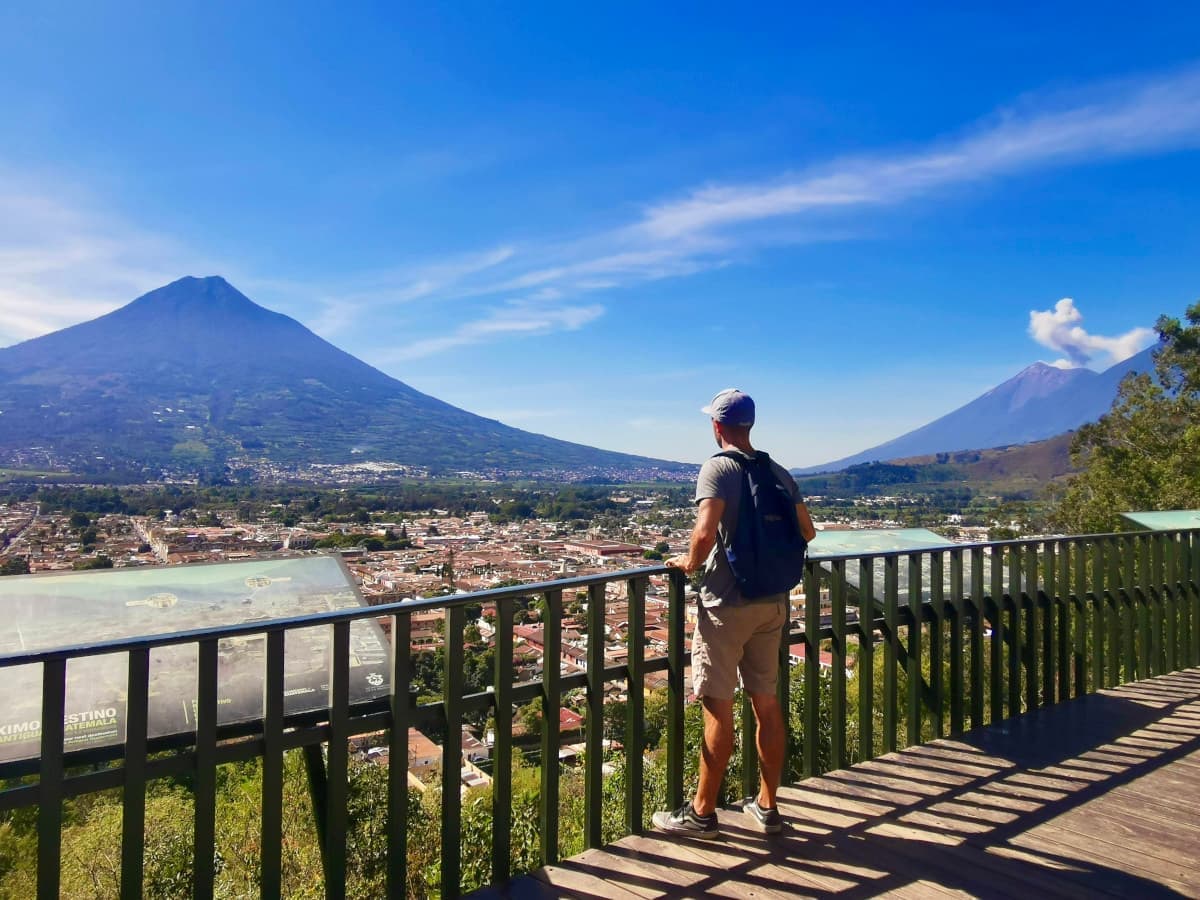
733, 639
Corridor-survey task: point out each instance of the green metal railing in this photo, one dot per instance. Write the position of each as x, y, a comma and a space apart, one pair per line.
974, 633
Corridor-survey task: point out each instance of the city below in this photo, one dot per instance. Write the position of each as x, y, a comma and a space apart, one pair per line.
406, 557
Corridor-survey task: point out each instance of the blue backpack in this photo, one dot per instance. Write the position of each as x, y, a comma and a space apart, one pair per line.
766, 554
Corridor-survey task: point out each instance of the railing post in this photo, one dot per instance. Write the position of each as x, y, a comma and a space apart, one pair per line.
1115, 637
957, 626
271, 831
812, 661
1193, 551
133, 800
1013, 601
1154, 581
1194, 585
551, 698
1130, 610
1145, 639
593, 775
748, 776
892, 641
1169, 601
50, 779
937, 637
1098, 616
635, 704
913, 668
452, 691
1045, 601
1062, 601
1029, 604
865, 668
337, 789
837, 595
205, 822
398, 684
1081, 619
977, 618
1183, 569
783, 691
502, 743
675, 691
996, 645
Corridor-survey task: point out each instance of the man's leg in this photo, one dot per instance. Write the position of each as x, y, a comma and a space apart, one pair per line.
770, 739
714, 755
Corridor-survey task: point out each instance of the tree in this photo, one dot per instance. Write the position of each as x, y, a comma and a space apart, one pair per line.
529, 718
15, 565
1145, 452
96, 562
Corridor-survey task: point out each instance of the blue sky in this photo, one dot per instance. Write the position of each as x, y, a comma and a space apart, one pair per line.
585, 222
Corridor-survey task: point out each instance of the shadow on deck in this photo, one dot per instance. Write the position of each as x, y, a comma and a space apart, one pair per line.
1098, 796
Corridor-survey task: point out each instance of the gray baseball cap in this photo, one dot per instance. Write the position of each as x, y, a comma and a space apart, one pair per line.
731, 407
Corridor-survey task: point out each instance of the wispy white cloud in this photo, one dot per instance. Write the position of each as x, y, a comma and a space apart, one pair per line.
62, 261
1113, 120
1059, 329
515, 318
340, 306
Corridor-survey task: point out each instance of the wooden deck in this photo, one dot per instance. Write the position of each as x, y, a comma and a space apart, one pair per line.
1095, 797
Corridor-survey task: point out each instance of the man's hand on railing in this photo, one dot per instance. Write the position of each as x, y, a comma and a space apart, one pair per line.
679, 562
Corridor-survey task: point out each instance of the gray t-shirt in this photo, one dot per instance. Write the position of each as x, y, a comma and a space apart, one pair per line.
721, 478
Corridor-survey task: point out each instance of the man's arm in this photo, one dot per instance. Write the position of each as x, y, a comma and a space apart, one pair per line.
807, 530
704, 536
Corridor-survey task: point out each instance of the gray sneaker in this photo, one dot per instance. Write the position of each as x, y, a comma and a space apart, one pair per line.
761, 818
685, 821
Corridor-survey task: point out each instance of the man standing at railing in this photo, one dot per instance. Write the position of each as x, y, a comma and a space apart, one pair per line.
737, 633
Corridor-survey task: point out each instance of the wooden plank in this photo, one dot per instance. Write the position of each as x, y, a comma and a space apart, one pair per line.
1133, 823
891, 783
799, 804
957, 806
1046, 781
1001, 801
1130, 862
835, 790
974, 762
643, 873
568, 880
903, 768
1003, 875
525, 888
1179, 806
1024, 792
1066, 877
938, 758
738, 865
741, 864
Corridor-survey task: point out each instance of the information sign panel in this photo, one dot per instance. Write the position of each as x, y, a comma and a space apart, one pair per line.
41, 612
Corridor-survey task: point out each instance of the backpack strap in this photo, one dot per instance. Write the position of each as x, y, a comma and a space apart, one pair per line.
741, 459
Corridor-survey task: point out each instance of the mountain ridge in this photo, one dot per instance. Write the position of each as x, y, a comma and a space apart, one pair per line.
1039, 402
195, 374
